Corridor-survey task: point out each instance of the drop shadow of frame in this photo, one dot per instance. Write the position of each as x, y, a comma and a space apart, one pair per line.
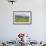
22, 17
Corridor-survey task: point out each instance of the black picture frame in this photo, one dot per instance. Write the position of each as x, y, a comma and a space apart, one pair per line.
21, 17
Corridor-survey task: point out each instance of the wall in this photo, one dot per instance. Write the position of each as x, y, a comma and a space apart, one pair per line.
9, 31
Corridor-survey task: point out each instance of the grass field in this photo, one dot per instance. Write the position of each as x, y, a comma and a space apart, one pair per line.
23, 20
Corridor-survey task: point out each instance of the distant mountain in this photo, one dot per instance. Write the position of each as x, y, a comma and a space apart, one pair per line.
19, 16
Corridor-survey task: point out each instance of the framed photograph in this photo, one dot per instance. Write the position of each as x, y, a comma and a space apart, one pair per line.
22, 17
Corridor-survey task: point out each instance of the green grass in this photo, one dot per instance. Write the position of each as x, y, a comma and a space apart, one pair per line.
23, 20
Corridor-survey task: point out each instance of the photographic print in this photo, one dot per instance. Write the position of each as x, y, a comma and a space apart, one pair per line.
22, 17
